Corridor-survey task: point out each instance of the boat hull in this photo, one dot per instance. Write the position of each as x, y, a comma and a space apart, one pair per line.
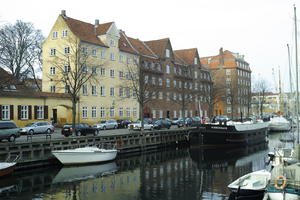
282, 196
247, 193
72, 158
7, 169
221, 135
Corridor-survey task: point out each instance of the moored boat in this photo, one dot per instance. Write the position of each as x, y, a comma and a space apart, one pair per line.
85, 155
252, 184
7, 168
279, 124
229, 134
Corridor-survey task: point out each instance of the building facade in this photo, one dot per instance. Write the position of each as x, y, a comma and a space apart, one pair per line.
231, 75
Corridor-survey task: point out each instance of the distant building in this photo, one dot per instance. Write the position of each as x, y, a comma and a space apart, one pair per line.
232, 83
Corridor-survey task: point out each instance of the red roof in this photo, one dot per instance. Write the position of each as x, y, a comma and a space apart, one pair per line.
158, 46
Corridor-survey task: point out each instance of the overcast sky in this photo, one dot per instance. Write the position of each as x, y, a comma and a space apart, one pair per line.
258, 29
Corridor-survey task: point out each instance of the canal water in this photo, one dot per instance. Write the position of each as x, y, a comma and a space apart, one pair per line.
169, 174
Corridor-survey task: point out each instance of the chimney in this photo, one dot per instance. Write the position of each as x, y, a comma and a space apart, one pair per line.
96, 23
221, 57
63, 13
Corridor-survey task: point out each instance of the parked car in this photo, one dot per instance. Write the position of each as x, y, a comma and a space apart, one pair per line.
80, 129
221, 118
37, 127
138, 126
123, 123
187, 122
106, 124
162, 123
9, 131
175, 121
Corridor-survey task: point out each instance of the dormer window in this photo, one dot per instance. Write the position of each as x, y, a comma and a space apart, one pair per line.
167, 53
54, 35
112, 43
64, 33
195, 61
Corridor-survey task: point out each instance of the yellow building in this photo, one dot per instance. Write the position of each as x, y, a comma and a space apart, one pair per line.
24, 105
108, 57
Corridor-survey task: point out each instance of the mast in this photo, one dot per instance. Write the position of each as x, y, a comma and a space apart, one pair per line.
291, 85
297, 87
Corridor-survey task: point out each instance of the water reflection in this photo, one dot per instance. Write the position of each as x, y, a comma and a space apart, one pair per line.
168, 174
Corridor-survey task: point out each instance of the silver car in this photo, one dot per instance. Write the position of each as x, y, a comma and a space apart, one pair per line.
138, 126
37, 127
106, 124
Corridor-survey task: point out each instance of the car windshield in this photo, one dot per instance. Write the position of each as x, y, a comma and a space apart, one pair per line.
67, 125
30, 125
102, 122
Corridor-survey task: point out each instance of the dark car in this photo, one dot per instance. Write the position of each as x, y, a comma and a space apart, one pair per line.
162, 123
80, 129
123, 123
187, 122
9, 131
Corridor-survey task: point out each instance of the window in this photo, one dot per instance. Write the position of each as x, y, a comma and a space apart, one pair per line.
154, 114
112, 56
112, 112
94, 52
84, 112
175, 96
128, 60
191, 113
94, 70
102, 54
196, 74
174, 82
153, 80
67, 50
54, 35
168, 96
24, 112
196, 86
160, 114
94, 90
121, 74
5, 112
134, 112
167, 82
84, 90
65, 33
146, 79
121, 94
121, 112
112, 43
228, 109
127, 92
67, 89
160, 81
228, 100
40, 112
84, 68
195, 61
102, 112
52, 70
112, 73
52, 88
84, 50
168, 69
135, 60
228, 71
53, 52
121, 58
134, 93
180, 84
67, 69
102, 91
160, 95
175, 114
112, 92
94, 112
128, 112
167, 53
102, 71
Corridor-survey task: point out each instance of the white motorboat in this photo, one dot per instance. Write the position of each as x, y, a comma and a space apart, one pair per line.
7, 168
252, 184
78, 173
279, 124
85, 155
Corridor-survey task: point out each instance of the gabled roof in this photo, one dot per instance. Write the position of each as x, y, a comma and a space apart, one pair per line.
103, 28
125, 45
178, 59
158, 46
141, 47
86, 31
187, 55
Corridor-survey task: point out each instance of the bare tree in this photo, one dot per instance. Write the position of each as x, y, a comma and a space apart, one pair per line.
138, 81
75, 68
261, 89
20, 49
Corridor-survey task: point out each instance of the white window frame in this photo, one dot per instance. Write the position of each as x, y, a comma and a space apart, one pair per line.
112, 56
168, 83
154, 114
52, 88
102, 112
102, 91
102, 54
94, 90
64, 33
24, 112
84, 112
5, 112
134, 112
167, 69
168, 53
94, 112
127, 112
112, 73
175, 114
161, 114
112, 92
94, 52
195, 61
85, 90
40, 112
112, 112
121, 112
102, 71
52, 70
54, 35
52, 52
67, 50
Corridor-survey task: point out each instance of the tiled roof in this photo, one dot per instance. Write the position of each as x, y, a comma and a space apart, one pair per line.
178, 59
158, 46
187, 55
141, 47
10, 87
103, 28
86, 31
124, 44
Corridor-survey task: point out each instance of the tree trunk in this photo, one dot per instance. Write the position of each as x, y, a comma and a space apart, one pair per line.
73, 114
142, 115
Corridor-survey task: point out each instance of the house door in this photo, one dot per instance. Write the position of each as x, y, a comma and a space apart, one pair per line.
54, 115
168, 114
